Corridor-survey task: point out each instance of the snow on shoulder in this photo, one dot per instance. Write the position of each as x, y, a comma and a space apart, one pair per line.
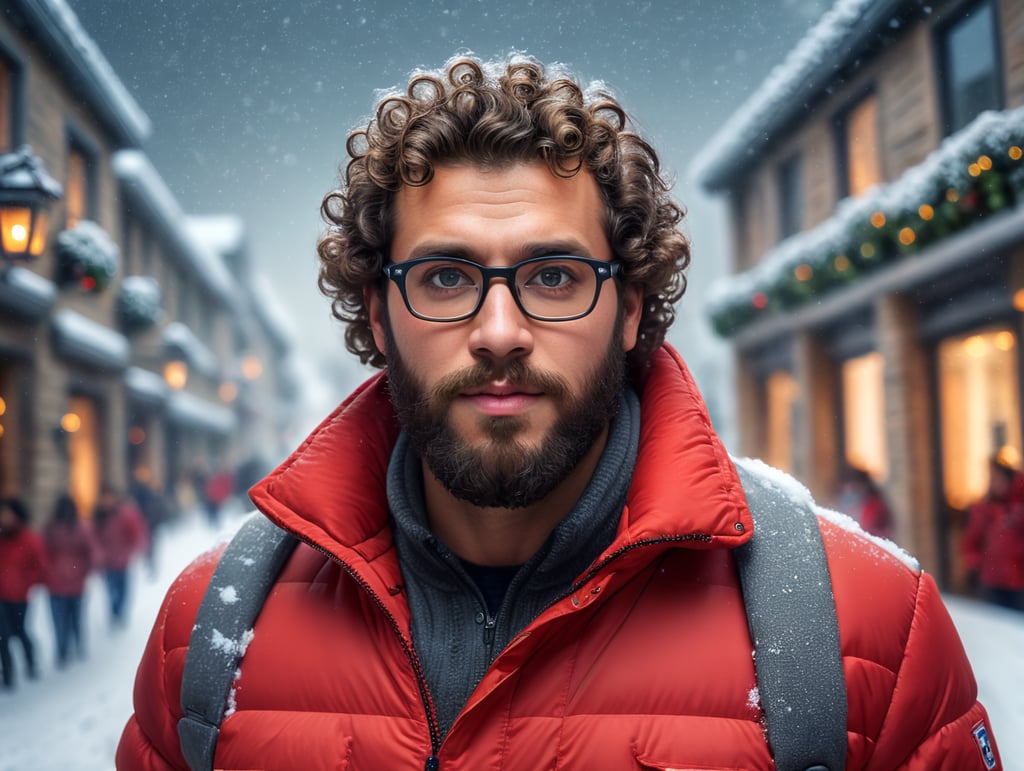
801, 496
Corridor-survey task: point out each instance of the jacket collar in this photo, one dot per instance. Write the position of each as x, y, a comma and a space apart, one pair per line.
331, 492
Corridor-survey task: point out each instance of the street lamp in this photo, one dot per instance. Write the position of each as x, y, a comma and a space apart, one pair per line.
26, 192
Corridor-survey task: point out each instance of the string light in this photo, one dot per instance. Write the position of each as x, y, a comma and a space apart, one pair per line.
907, 236
925, 212
878, 219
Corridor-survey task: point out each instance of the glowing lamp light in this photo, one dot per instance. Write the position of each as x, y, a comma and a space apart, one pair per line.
228, 391
26, 193
176, 374
984, 162
1004, 341
925, 212
975, 346
907, 236
803, 272
3, 405
974, 170
252, 367
878, 219
136, 435
1015, 153
1018, 300
70, 422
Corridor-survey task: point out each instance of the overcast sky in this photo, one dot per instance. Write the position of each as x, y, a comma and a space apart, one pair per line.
251, 101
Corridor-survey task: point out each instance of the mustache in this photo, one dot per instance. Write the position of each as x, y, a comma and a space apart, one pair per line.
516, 372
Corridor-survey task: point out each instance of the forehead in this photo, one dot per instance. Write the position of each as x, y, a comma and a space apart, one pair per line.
500, 210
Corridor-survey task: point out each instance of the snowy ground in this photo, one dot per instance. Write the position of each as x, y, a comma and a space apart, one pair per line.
72, 719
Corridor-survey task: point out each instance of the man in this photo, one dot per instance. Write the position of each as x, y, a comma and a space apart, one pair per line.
517, 542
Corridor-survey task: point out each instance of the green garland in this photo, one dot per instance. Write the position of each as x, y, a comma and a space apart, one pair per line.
972, 189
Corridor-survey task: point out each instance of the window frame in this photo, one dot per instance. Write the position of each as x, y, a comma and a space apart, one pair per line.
942, 31
789, 180
16, 99
77, 142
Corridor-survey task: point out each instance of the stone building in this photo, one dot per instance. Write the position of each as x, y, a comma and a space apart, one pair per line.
875, 194
123, 344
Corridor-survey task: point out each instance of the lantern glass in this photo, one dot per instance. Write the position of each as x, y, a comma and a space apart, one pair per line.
15, 229
39, 231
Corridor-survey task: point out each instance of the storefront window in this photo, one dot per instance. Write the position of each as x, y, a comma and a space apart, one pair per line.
864, 415
980, 409
781, 393
81, 426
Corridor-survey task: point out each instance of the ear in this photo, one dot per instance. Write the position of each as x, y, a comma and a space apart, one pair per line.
632, 309
376, 308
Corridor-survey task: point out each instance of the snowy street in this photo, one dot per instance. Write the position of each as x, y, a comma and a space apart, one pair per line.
72, 719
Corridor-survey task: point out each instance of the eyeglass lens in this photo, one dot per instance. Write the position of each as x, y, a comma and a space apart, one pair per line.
553, 288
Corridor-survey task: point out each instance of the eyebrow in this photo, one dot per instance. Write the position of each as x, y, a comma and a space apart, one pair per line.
563, 246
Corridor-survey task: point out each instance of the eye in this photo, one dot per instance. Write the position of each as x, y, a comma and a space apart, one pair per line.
447, 277
551, 276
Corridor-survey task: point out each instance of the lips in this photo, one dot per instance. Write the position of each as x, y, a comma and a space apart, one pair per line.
501, 399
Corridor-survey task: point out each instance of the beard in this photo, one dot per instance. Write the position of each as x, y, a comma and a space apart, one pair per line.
504, 472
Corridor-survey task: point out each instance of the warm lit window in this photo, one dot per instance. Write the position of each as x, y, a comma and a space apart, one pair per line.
858, 131
81, 426
970, 70
791, 197
76, 189
980, 403
781, 394
864, 415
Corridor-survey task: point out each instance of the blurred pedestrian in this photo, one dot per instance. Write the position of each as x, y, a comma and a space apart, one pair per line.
863, 499
993, 544
121, 535
219, 487
22, 566
154, 512
73, 555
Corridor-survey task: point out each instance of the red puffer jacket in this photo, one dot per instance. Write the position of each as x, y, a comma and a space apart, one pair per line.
646, 663
993, 544
22, 564
121, 535
73, 555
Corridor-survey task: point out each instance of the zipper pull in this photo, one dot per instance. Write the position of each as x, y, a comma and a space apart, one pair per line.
433, 764
489, 630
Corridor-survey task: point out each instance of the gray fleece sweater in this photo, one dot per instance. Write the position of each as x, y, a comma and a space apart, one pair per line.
454, 634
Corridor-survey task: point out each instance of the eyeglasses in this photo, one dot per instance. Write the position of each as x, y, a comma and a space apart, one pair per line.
554, 288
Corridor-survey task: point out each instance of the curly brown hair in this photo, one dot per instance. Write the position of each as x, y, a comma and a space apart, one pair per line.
495, 114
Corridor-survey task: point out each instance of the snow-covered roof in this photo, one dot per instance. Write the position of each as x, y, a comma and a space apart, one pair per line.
224, 233
139, 177
190, 410
88, 341
26, 294
68, 45
178, 337
271, 313
145, 386
839, 37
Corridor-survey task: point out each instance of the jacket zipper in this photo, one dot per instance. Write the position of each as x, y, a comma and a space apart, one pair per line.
432, 762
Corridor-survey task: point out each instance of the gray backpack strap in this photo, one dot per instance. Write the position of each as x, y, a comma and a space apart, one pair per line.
792, 617
240, 584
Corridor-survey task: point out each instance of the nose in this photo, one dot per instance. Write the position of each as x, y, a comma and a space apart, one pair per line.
500, 329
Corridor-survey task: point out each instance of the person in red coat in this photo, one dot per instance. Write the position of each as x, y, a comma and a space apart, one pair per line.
72, 555
517, 544
22, 566
993, 543
121, 534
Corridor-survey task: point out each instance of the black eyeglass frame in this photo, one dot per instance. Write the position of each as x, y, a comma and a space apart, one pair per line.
397, 272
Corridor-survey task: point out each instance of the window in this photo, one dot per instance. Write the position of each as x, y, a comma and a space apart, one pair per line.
6, 105
80, 188
782, 394
860, 166
791, 197
864, 415
980, 409
82, 424
970, 69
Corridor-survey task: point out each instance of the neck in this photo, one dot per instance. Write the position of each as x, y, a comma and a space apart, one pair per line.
494, 536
